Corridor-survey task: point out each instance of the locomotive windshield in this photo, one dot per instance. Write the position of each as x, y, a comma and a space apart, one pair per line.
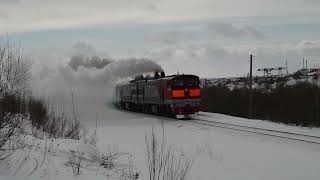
178, 84
186, 83
192, 83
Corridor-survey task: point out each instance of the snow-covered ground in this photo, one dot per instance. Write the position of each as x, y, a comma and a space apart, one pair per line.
219, 153
216, 153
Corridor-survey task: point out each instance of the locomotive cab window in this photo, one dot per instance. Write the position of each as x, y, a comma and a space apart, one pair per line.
178, 84
192, 83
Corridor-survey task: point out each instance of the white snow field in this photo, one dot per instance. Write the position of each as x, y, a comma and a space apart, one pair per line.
217, 153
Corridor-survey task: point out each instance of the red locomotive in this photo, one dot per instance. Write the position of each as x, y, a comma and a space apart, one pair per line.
176, 95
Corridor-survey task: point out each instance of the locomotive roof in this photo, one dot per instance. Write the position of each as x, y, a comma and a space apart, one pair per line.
179, 75
163, 78
168, 77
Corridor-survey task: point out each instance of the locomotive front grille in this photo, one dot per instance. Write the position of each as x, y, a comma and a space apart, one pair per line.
188, 109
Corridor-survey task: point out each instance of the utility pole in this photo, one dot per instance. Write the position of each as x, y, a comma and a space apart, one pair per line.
316, 100
287, 67
316, 115
250, 93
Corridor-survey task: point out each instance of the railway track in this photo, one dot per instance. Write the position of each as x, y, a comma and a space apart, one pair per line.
262, 131
256, 130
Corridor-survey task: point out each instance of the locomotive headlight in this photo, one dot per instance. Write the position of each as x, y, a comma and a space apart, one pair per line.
178, 93
194, 92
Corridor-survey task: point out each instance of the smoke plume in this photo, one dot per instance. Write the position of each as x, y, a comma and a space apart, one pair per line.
88, 62
91, 80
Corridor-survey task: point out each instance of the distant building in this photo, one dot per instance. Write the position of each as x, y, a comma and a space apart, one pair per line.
309, 72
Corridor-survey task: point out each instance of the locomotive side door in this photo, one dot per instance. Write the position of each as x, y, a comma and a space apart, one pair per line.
161, 91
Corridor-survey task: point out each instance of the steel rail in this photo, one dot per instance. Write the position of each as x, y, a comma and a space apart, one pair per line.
263, 129
254, 132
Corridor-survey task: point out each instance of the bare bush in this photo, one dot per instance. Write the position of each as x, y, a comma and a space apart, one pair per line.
164, 162
60, 126
14, 86
11, 132
52, 123
129, 173
75, 161
14, 71
44, 119
89, 137
13, 104
111, 161
38, 111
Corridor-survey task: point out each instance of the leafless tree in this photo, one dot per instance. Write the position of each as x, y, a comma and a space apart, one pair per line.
14, 71
14, 85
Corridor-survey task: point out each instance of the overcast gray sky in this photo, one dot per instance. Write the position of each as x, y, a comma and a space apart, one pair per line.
211, 38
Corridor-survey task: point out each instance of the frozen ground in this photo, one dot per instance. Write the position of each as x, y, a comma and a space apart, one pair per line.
216, 153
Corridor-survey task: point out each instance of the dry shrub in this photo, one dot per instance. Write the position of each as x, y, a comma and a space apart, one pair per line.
164, 162
38, 112
11, 131
75, 161
43, 117
14, 70
61, 126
